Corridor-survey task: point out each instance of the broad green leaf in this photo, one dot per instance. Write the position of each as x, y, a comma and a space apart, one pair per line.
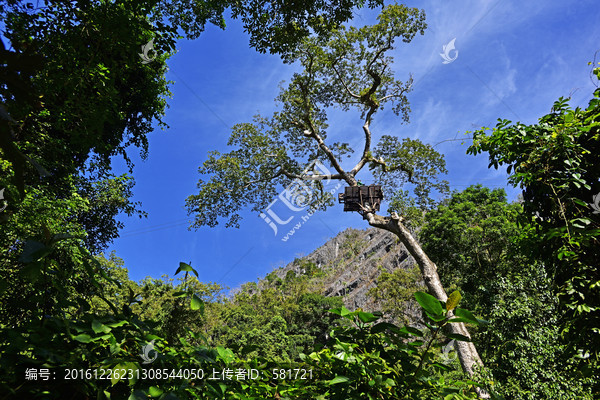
367, 317
132, 366
197, 303
64, 236
436, 317
343, 311
187, 268
107, 336
32, 271
83, 338
466, 316
117, 372
458, 336
453, 300
457, 320
33, 251
225, 354
154, 391
383, 326
116, 324
338, 379
137, 395
223, 387
99, 327
412, 331
429, 303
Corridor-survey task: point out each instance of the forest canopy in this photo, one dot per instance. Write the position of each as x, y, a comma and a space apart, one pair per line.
481, 297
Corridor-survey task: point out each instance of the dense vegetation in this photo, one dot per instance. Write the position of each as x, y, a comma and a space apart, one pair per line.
527, 271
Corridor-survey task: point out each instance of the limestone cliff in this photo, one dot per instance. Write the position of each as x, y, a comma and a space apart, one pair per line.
352, 262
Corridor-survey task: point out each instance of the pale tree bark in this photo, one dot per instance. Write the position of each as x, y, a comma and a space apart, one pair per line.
466, 351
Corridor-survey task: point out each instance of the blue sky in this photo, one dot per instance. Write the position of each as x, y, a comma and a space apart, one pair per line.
513, 60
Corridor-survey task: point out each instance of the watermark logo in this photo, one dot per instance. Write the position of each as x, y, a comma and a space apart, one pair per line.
144, 54
297, 196
596, 203
446, 358
446, 49
3, 203
146, 350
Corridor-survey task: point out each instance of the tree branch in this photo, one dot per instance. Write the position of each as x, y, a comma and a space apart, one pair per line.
373, 107
344, 83
312, 132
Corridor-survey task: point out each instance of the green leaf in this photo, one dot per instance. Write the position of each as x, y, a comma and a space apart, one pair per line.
99, 327
83, 338
384, 326
118, 374
343, 311
338, 379
429, 303
197, 303
458, 337
466, 316
412, 331
225, 354
64, 236
367, 317
137, 395
223, 387
185, 267
116, 324
154, 391
436, 317
33, 251
32, 271
453, 300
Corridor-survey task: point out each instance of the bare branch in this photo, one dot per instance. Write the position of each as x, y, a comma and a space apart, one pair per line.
377, 55
312, 177
312, 132
334, 162
395, 94
344, 83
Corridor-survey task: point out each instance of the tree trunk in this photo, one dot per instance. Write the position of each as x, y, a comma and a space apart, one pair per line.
466, 351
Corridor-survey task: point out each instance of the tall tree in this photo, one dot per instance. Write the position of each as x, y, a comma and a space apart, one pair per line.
351, 70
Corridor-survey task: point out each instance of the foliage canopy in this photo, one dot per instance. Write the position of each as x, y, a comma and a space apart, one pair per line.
352, 71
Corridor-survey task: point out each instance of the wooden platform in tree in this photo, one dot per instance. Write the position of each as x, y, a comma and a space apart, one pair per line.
356, 196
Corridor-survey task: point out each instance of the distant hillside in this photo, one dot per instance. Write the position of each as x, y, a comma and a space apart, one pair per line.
351, 264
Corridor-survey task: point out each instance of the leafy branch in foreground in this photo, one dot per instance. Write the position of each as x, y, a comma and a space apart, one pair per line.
379, 360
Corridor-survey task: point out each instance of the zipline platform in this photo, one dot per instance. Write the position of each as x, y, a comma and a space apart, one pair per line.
366, 196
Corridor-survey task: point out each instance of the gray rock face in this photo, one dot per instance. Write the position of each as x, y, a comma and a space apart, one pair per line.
353, 260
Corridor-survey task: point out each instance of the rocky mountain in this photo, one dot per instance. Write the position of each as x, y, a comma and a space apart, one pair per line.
351, 264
